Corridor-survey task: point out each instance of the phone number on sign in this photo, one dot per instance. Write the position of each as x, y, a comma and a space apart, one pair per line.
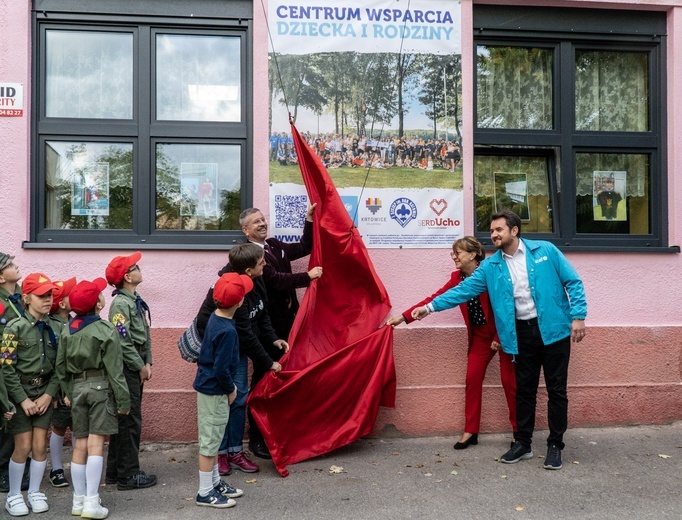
9, 112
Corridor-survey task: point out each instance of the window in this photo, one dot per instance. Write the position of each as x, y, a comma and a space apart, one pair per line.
569, 126
141, 130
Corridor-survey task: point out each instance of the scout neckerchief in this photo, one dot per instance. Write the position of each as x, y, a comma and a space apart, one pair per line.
140, 304
45, 326
80, 322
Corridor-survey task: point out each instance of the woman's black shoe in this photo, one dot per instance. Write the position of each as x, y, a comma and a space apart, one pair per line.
473, 440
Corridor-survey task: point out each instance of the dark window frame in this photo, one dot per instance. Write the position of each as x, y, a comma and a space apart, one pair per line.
552, 28
210, 17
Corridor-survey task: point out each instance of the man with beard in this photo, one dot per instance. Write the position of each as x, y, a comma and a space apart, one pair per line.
532, 281
281, 286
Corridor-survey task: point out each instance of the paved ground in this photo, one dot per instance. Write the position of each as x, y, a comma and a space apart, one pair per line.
609, 473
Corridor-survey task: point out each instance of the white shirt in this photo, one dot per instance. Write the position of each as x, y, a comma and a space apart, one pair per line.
523, 301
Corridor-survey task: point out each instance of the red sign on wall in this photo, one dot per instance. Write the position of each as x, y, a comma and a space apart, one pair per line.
11, 99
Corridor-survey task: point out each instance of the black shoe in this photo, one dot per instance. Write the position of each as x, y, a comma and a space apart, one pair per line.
4, 484
516, 453
108, 479
553, 458
58, 479
139, 481
259, 449
473, 441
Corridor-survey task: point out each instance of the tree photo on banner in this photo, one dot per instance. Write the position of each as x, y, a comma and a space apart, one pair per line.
379, 101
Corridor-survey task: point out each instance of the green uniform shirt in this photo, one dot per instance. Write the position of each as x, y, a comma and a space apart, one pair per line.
95, 347
24, 351
5, 404
133, 330
9, 310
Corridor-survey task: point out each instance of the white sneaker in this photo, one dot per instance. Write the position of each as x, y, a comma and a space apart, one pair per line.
92, 508
37, 501
77, 505
16, 506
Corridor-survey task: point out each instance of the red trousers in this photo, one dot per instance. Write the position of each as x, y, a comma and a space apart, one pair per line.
479, 357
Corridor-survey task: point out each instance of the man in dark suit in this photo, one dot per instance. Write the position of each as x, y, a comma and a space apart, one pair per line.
281, 285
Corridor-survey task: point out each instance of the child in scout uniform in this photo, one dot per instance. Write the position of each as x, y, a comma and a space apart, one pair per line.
129, 313
216, 388
10, 308
90, 371
61, 416
29, 350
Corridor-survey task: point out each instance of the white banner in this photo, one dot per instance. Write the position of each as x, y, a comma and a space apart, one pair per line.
305, 26
385, 217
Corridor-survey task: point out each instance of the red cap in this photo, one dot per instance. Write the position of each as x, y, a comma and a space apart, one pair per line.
119, 266
38, 284
62, 291
83, 297
231, 288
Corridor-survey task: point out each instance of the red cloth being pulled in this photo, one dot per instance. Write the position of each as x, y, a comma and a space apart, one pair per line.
340, 367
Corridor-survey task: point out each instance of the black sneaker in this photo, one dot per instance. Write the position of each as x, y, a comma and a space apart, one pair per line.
516, 453
4, 484
259, 449
108, 479
58, 479
553, 458
139, 481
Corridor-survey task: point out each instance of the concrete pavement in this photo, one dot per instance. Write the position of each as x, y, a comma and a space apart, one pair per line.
609, 473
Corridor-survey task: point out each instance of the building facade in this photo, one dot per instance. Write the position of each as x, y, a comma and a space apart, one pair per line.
102, 132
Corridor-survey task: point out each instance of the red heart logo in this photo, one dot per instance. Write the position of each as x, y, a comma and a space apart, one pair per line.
438, 206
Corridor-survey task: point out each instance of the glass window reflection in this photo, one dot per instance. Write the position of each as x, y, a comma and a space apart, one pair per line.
198, 78
89, 75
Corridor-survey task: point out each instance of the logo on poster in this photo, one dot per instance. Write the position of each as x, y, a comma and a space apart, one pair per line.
373, 204
438, 206
403, 211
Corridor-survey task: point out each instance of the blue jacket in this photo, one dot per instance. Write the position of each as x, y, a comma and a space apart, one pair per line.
556, 288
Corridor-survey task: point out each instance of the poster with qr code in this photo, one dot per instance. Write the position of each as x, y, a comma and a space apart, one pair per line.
385, 217
405, 144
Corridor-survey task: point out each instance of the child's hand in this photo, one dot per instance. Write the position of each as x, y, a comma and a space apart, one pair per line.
123, 412
43, 403
67, 401
8, 415
231, 397
29, 407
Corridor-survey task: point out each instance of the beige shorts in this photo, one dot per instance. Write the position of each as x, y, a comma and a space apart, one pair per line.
213, 412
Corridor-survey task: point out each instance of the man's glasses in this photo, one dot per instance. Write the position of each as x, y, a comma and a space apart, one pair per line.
133, 268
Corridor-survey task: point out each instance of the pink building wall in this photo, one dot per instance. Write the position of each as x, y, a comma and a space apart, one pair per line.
627, 371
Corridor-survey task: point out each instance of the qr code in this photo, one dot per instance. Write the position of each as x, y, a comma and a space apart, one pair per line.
290, 211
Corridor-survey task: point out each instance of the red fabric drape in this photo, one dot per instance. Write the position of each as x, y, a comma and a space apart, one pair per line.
340, 367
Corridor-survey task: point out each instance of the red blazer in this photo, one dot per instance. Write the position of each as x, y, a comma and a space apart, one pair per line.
454, 281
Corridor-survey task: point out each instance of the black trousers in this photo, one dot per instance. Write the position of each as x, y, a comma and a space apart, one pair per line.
553, 360
6, 450
124, 448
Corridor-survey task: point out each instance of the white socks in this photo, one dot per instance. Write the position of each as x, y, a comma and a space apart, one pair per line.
205, 482
215, 476
78, 478
56, 445
93, 474
37, 472
16, 473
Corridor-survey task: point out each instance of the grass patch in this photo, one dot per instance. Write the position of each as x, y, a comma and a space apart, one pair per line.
394, 177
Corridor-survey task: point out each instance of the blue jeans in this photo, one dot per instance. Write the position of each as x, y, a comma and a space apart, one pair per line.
234, 433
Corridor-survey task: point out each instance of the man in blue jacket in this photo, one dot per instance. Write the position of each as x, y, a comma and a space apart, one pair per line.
539, 305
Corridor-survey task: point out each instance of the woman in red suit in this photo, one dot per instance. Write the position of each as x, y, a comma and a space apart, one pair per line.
467, 253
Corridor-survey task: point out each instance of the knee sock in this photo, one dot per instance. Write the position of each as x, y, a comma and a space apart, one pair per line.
215, 476
37, 472
78, 478
56, 445
205, 482
93, 474
15, 473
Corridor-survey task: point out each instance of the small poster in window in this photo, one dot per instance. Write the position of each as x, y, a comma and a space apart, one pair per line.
511, 192
608, 194
198, 183
90, 189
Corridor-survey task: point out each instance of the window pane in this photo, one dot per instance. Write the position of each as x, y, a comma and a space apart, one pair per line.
89, 75
517, 183
88, 185
198, 78
613, 193
514, 87
198, 187
611, 91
